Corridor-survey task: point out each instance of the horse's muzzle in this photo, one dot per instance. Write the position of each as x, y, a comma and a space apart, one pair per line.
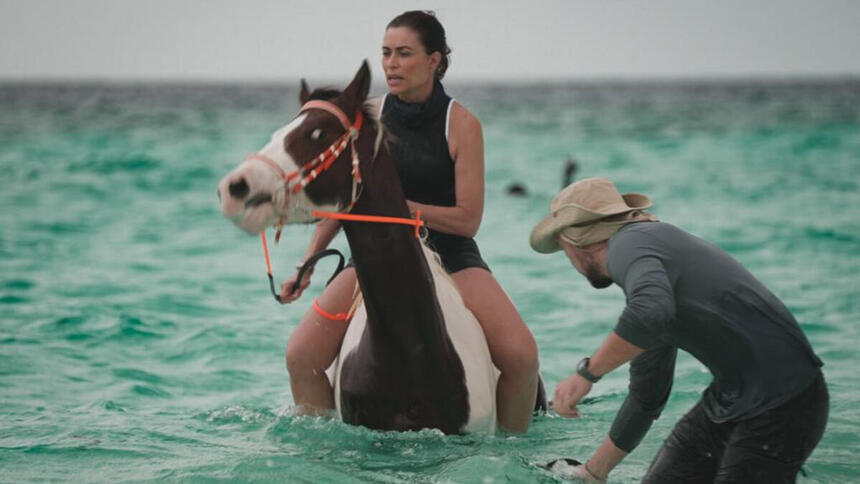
258, 199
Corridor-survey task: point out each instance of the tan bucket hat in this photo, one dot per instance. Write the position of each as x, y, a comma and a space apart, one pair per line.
587, 212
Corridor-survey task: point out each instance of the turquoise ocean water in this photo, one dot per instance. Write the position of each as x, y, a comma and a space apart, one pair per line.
138, 340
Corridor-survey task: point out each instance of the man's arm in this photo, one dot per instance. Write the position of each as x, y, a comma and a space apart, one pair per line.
651, 375
614, 352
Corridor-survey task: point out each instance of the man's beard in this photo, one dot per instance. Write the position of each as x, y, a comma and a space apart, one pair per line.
597, 280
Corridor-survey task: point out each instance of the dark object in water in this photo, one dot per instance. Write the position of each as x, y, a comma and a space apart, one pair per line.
570, 167
568, 460
541, 404
564, 461
517, 190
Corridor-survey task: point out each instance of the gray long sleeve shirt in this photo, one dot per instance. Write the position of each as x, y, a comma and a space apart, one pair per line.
683, 292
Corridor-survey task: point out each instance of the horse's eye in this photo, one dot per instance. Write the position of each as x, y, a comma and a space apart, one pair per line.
316, 134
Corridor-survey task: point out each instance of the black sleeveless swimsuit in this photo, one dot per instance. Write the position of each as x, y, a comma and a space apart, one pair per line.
419, 146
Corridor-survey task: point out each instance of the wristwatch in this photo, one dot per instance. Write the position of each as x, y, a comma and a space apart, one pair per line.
582, 370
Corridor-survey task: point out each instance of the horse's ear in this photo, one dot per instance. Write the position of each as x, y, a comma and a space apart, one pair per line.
305, 93
356, 93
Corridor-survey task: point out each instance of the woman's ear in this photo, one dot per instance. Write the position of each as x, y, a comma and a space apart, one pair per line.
435, 60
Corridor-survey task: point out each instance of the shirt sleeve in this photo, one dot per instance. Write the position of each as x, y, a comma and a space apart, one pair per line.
651, 375
635, 266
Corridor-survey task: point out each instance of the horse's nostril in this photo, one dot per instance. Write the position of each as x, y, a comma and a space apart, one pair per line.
239, 189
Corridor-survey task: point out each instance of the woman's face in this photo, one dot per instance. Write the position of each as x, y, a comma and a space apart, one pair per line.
409, 70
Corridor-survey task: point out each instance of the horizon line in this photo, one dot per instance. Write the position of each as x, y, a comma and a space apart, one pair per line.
467, 80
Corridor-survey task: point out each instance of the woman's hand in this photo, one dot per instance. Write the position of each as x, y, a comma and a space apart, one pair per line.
413, 207
287, 294
322, 236
568, 393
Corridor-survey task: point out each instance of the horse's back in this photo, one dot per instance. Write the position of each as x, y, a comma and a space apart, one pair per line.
468, 340
471, 345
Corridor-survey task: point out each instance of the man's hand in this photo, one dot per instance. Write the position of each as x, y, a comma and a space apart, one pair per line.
582, 473
579, 472
568, 393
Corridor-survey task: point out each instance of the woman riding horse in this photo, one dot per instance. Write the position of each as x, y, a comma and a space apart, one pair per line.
438, 146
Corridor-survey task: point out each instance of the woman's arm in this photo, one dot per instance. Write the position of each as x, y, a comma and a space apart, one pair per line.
323, 234
466, 144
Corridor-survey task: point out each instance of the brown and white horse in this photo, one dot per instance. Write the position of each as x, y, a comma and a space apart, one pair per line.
413, 356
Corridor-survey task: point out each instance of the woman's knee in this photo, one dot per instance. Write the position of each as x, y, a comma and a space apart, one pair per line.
314, 343
300, 357
512, 345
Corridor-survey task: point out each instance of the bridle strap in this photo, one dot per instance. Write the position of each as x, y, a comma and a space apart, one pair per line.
352, 131
322, 162
265, 159
331, 109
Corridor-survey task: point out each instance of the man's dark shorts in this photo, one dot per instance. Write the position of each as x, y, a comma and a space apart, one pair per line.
769, 448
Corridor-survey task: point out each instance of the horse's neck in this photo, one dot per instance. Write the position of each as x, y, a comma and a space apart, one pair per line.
396, 282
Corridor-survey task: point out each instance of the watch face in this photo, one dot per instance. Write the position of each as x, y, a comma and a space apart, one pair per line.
582, 369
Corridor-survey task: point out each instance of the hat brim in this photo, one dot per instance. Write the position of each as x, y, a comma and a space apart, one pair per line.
544, 237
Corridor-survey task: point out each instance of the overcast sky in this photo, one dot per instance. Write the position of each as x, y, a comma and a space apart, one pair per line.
219, 40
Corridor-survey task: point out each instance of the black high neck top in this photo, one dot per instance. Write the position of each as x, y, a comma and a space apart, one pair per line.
418, 141
419, 145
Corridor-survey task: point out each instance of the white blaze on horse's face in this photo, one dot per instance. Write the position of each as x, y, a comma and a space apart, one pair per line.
250, 192
255, 196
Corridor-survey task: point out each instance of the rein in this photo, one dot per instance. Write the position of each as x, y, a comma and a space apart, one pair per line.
354, 217
308, 264
295, 183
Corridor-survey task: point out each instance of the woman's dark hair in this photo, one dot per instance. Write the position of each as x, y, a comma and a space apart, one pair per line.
430, 32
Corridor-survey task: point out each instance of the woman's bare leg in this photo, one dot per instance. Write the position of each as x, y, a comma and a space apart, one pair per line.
511, 343
314, 345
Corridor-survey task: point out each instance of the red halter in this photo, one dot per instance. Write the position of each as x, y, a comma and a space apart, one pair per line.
324, 160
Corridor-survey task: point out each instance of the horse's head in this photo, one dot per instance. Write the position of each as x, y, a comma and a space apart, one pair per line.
306, 166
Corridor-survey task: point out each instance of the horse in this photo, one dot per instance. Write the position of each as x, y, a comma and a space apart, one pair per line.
414, 356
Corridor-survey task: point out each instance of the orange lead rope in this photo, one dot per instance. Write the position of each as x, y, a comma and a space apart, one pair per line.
416, 222
334, 317
269, 267
266, 253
